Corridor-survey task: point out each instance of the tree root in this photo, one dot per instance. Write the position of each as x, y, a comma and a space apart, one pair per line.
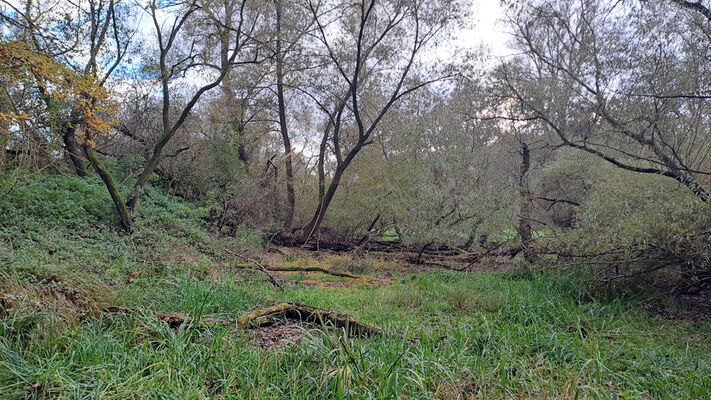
303, 312
296, 268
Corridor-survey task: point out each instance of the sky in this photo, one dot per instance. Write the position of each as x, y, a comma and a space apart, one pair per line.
487, 30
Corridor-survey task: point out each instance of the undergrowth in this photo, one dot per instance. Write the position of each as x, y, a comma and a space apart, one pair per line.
448, 335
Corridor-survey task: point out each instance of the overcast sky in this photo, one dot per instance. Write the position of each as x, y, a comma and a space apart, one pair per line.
487, 30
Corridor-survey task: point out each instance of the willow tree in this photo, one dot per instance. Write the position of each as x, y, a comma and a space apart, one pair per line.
625, 81
370, 53
196, 38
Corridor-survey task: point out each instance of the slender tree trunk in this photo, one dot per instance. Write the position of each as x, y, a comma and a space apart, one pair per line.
290, 195
316, 220
4, 138
370, 228
105, 175
524, 219
331, 191
142, 181
322, 166
3, 143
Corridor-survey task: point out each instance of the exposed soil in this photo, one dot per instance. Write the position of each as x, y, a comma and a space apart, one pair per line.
696, 308
281, 333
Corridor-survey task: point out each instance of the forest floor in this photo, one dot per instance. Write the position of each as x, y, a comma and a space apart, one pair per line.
86, 312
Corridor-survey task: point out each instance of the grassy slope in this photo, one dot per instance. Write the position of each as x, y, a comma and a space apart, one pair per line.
452, 335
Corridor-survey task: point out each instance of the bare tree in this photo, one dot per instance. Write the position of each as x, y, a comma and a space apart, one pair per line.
372, 47
291, 27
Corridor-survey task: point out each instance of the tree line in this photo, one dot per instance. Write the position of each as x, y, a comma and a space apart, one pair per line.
590, 142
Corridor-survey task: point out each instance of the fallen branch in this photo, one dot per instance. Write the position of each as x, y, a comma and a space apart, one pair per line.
255, 264
303, 312
296, 268
294, 311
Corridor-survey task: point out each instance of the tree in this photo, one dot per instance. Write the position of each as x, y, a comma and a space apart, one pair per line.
287, 39
371, 48
90, 101
226, 27
431, 174
601, 78
91, 37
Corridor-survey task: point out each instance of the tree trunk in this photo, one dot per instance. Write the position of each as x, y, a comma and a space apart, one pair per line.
142, 181
72, 148
291, 198
3, 143
111, 186
322, 165
324, 203
302, 312
524, 218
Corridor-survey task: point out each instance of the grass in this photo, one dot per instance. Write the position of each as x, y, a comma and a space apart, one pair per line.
449, 335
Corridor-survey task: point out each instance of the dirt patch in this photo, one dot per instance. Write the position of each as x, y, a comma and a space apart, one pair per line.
279, 334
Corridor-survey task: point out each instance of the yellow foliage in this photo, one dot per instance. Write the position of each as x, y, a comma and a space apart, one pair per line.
89, 99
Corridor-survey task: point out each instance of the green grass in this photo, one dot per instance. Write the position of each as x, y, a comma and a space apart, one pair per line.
389, 235
449, 335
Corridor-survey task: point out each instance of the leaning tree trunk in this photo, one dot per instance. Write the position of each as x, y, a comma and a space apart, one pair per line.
105, 175
72, 148
148, 169
325, 201
320, 213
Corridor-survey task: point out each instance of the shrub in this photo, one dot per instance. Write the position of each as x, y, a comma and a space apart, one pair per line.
643, 232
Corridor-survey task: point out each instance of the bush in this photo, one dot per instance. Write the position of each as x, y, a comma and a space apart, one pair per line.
643, 231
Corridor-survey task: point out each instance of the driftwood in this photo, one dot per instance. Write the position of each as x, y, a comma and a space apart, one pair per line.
303, 312
296, 268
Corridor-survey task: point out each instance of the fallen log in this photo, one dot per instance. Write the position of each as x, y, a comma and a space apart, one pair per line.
303, 312
294, 311
296, 268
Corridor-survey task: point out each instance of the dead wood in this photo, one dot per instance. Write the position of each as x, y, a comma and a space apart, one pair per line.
293, 311
256, 265
296, 268
303, 312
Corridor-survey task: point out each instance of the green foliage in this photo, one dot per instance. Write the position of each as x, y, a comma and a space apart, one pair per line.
643, 231
434, 187
470, 335
60, 247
